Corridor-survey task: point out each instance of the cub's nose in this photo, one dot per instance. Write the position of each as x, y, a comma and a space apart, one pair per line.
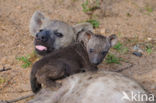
96, 63
96, 60
42, 36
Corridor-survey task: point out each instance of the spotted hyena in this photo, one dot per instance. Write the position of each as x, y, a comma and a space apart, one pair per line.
51, 35
100, 87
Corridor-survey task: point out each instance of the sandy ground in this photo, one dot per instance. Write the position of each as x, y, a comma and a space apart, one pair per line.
129, 19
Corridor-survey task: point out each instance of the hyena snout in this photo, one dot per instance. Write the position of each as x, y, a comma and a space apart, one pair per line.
44, 42
96, 58
43, 36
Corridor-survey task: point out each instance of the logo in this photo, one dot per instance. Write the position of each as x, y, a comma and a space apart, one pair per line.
137, 96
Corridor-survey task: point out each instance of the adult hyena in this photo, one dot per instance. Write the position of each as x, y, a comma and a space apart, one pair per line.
51, 35
100, 87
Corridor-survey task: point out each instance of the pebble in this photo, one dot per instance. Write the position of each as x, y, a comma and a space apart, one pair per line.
139, 54
136, 47
153, 87
141, 51
102, 31
137, 51
149, 39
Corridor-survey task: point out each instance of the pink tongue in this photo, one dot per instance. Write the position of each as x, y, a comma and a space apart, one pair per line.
41, 48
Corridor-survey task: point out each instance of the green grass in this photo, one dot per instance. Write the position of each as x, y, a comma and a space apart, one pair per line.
128, 15
119, 47
85, 6
2, 80
149, 48
94, 22
111, 58
119, 34
149, 9
28, 60
124, 50
74, 0
89, 8
25, 61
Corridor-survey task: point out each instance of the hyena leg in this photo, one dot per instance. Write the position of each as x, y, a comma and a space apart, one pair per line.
90, 67
49, 74
35, 85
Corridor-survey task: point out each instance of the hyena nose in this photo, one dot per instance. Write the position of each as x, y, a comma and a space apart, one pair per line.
42, 36
96, 61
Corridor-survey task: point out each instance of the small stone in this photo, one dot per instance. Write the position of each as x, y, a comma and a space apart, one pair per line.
18, 7
102, 31
149, 39
139, 54
136, 47
141, 51
153, 87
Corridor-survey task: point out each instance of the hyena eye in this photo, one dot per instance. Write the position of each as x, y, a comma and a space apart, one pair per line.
41, 30
60, 35
91, 50
104, 52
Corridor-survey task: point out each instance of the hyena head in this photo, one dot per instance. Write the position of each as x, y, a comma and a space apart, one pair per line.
97, 45
52, 34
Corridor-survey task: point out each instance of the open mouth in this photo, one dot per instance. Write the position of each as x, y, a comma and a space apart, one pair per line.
41, 48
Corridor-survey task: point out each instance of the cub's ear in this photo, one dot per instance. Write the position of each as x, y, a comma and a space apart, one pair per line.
113, 39
82, 27
84, 36
36, 22
88, 35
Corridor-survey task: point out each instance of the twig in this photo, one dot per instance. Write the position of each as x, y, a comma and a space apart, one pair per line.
6, 84
4, 69
131, 65
17, 99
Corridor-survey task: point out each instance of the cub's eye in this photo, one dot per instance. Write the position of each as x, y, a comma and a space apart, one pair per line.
60, 35
104, 52
91, 50
41, 30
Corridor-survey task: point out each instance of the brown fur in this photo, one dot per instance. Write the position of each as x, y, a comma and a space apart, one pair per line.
60, 34
59, 64
97, 45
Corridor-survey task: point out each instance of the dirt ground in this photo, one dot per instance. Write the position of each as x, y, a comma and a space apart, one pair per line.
134, 21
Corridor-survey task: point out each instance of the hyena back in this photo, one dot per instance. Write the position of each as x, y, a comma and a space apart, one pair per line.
100, 87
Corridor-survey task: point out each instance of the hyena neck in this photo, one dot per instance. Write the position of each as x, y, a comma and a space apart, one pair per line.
81, 50
80, 38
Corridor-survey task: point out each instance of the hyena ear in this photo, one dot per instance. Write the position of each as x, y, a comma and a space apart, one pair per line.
88, 35
113, 39
82, 27
84, 36
36, 22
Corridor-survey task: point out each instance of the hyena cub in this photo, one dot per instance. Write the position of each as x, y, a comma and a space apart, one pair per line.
51, 35
60, 64
96, 45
